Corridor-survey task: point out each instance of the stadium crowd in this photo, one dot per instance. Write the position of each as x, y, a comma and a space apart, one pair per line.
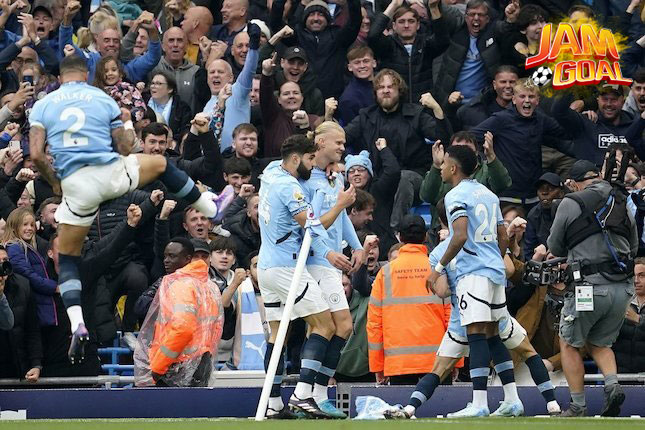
217, 86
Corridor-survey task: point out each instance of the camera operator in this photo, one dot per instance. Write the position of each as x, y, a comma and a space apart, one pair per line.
536, 301
597, 234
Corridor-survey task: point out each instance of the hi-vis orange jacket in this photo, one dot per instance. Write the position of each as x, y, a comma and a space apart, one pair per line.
405, 322
189, 322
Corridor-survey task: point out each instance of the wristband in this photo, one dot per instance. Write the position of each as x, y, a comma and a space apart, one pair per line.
128, 125
439, 267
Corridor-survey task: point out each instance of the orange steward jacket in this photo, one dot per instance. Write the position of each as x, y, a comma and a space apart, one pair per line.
405, 322
189, 322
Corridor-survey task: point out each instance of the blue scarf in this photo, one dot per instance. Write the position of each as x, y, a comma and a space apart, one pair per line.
163, 110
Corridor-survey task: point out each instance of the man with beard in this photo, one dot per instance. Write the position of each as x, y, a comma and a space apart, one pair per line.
613, 125
405, 127
540, 218
174, 62
490, 101
520, 131
283, 213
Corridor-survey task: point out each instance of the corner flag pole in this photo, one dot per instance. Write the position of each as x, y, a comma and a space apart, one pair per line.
284, 324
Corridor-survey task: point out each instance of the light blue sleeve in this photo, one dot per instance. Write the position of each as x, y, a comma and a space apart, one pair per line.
434, 260
65, 34
244, 83
349, 233
293, 197
36, 114
137, 70
114, 111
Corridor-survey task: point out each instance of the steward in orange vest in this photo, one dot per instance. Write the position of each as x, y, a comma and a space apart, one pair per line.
405, 322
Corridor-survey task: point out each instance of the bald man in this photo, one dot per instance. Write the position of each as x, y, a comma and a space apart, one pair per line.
234, 20
218, 74
197, 23
174, 45
239, 50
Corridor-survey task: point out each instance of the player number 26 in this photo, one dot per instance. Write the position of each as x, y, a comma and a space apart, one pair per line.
488, 222
79, 122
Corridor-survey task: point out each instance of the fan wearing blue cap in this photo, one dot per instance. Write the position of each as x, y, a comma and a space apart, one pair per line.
360, 173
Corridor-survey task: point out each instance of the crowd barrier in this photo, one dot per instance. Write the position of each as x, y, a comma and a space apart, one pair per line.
237, 392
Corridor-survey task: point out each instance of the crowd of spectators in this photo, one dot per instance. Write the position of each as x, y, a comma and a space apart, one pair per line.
405, 80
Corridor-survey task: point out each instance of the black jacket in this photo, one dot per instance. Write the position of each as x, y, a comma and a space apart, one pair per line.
313, 101
180, 116
22, 344
477, 110
630, 344
405, 131
453, 60
592, 139
383, 187
245, 237
518, 144
326, 50
538, 228
416, 69
202, 160
112, 213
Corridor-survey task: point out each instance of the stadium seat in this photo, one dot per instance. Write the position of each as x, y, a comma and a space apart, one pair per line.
110, 358
424, 211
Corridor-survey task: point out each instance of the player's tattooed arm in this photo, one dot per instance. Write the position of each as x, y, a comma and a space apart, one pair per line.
38, 156
123, 140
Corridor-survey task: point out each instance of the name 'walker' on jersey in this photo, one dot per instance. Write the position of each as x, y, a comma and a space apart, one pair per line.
74, 117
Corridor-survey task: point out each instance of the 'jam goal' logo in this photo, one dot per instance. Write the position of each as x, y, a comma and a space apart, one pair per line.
582, 55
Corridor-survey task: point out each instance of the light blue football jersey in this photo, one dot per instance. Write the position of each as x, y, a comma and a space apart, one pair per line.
451, 272
323, 195
480, 254
282, 198
78, 119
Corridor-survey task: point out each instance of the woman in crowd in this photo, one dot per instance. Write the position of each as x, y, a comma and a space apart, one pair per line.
170, 109
23, 248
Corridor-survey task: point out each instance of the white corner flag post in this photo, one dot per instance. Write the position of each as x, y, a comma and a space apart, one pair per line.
284, 324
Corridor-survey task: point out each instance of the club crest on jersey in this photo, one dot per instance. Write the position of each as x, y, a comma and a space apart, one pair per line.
297, 195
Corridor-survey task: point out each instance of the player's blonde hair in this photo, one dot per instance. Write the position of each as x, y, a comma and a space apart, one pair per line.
525, 84
323, 129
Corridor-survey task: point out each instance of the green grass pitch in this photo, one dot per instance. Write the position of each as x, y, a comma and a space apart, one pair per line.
241, 424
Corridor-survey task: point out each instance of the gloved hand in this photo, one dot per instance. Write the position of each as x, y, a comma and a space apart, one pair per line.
254, 36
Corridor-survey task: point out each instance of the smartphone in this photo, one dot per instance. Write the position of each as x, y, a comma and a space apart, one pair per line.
14, 144
29, 79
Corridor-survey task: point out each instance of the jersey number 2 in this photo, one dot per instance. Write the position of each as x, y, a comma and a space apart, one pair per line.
68, 139
488, 222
